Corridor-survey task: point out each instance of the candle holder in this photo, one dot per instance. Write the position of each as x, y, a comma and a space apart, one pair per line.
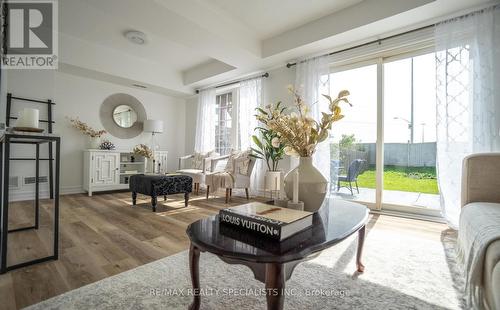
281, 202
296, 205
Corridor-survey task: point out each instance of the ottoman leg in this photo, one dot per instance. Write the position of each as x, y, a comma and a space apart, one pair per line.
186, 199
134, 198
153, 202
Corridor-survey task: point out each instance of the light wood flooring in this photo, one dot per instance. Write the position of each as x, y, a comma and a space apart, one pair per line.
103, 235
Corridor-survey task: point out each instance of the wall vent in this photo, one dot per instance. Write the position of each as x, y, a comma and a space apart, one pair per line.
14, 182
31, 180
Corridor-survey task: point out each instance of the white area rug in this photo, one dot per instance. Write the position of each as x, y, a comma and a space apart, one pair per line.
402, 272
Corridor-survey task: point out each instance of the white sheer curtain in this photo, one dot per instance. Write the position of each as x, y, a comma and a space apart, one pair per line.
312, 79
250, 97
205, 121
468, 101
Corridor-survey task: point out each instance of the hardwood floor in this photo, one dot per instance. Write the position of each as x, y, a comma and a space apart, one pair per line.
104, 235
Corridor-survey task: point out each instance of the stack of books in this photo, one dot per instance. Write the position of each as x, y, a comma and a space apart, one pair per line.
270, 221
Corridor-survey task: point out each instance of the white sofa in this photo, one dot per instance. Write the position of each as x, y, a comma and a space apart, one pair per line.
481, 194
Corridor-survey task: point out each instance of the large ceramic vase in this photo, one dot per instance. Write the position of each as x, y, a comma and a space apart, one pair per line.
312, 185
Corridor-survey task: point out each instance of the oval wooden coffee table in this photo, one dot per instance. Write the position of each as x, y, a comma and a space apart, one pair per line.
273, 262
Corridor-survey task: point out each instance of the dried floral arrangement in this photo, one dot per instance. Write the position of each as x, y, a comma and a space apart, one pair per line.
143, 150
86, 129
298, 130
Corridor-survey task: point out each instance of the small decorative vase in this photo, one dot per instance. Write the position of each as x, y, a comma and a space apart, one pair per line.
94, 142
312, 185
273, 180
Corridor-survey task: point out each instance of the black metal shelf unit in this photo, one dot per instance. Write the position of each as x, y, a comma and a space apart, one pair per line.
5, 144
50, 121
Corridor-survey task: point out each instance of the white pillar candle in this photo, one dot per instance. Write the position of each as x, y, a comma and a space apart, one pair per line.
28, 118
20, 119
31, 117
296, 187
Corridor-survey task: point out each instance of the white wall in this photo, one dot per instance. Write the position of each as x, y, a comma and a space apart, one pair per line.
274, 90
81, 97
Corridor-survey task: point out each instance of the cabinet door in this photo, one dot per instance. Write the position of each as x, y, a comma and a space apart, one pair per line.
106, 168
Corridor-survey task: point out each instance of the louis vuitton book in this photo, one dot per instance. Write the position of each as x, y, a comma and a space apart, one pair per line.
267, 220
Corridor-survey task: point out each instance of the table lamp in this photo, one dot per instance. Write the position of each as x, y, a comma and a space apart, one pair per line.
154, 127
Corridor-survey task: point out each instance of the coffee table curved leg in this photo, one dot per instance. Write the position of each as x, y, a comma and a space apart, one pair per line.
361, 241
194, 267
275, 286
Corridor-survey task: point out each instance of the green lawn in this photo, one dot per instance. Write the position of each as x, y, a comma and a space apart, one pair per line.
413, 179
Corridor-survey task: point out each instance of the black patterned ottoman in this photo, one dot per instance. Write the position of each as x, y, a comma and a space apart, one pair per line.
160, 185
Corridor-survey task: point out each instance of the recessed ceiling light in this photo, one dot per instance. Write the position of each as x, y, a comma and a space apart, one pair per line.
136, 37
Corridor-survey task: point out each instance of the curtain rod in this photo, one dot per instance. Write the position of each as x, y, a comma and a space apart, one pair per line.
379, 41
265, 75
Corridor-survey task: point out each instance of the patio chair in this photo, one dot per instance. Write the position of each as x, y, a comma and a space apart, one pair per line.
352, 175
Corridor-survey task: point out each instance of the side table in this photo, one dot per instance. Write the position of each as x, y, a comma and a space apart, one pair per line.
6, 140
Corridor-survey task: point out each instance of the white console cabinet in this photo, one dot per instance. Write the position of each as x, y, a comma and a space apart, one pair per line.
110, 170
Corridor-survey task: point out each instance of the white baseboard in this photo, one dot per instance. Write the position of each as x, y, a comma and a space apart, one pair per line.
21, 195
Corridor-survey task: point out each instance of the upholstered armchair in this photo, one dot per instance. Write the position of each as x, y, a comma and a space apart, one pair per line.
195, 172
234, 179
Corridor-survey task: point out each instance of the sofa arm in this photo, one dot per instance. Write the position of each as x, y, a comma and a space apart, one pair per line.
181, 159
481, 178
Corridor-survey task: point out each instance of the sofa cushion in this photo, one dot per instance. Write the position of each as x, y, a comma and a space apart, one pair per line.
479, 251
491, 276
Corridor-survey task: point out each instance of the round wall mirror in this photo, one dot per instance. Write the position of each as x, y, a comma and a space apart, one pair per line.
124, 116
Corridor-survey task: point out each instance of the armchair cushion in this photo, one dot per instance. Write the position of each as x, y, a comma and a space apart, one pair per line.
196, 174
198, 159
219, 179
238, 162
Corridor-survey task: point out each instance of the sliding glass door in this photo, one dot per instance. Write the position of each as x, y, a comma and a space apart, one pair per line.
394, 100
353, 139
410, 181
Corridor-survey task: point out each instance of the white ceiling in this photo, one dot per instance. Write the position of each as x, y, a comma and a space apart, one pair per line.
271, 17
80, 19
194, 43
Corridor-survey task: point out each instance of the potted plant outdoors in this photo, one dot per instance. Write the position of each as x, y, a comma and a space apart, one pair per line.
269, 146
301, 134
94, 135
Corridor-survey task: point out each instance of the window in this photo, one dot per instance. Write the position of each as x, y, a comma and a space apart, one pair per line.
224, 123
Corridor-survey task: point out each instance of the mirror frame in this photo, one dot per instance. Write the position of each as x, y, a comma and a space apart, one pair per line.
106, 115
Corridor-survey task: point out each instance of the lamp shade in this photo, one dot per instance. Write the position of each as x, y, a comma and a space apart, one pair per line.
151, 125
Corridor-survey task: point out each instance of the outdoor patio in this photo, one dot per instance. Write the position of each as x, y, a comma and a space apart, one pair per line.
413, 199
